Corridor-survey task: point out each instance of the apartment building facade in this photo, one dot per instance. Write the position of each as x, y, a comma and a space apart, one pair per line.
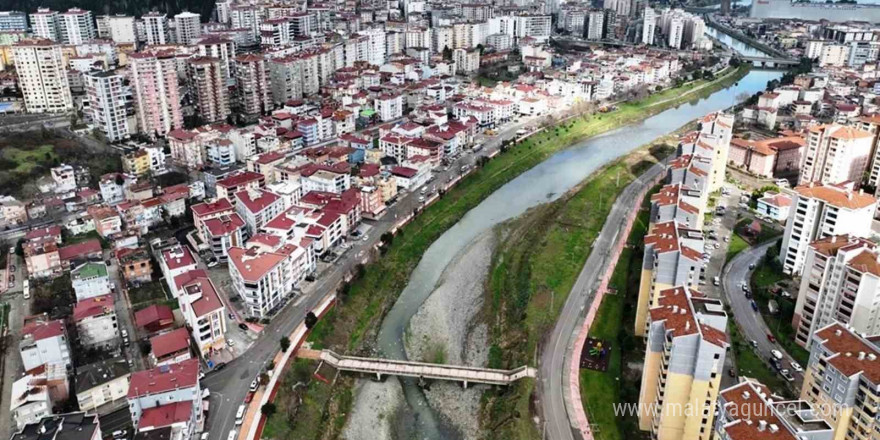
107, 107
42, 76
156, 93
820, 211
834, 154
208, 82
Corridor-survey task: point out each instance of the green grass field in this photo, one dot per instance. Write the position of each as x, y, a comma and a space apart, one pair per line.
736, 245
358, 317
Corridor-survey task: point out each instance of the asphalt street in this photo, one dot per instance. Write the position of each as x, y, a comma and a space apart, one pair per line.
230, 385
750, 322
554, 369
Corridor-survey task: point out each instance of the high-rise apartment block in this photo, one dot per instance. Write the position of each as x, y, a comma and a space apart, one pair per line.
106, 94
155, 28
820, 211
841, 283
76, 26
835, 153
207, 78
188, 27
684, 362
42, 76
156, 93
254, 97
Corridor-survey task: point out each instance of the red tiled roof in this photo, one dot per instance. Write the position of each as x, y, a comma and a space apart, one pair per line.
42, 329
263, 200
178, 261
253, 264
165, 378
92, 306
224, 224
155, 313
404, 172
169, 343
80, 250
207, 208
166, 415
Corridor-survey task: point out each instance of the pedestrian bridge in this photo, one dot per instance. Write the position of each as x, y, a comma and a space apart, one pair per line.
770, 63
421, 370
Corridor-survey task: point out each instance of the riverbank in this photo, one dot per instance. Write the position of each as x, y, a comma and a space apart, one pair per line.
533, 272
352, 326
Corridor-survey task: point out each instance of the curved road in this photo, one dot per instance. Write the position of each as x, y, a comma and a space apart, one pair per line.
751, 322
555, 359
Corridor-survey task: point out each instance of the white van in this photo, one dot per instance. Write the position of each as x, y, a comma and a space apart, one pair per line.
231, 435
240, 414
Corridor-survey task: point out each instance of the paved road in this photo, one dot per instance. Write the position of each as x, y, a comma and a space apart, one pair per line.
555, 358
12, 360
751, 322
230, 385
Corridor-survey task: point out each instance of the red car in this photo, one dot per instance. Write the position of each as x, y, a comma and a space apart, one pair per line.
249, 397
771, 338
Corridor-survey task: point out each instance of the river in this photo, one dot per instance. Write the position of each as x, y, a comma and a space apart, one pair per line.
541, 184
743, 48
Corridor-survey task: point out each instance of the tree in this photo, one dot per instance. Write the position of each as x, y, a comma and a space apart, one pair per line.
264, 379
146, 347
285, 343
447, 53
120, 180
268, 409
311, 320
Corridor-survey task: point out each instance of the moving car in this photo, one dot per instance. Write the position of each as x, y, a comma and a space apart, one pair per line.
716, 281
776, 354
771, 338
796, 366
786, 375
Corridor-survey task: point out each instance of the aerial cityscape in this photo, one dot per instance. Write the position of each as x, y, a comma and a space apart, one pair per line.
410, 219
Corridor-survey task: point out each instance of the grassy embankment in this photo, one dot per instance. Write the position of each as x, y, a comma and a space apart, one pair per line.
533, 271
353, 324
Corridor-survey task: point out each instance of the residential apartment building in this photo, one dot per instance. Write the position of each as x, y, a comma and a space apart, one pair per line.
44, 24
256, 207
842, 378
95, 320
43, 342
684, 363
210, 210
101, 383
223, 233
649, 26
163, 386
76, 26
188, 27
42, 76
676, 202
673, 257
203, 311
170, 347
820, 211
107, 106
62, 426
262, 278
155, 28
749, 410
389, 106
90, 280
254, 96
834, 154
208, 84
839, 284
156, 94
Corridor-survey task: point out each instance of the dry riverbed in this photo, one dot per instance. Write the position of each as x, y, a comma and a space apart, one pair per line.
445, 330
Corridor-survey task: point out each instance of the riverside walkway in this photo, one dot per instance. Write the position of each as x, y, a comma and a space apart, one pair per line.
421, 370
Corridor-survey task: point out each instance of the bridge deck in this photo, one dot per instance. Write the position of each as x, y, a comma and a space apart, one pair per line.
430, 371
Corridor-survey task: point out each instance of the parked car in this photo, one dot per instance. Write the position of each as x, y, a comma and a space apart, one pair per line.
754, 306
754, 343
751, 266
249, 397
366, 237
254, 384
786, 375
771, 338
119, 434
716, 281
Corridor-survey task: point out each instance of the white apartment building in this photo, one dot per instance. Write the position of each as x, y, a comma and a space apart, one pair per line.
30, 401
64, 177
376, 50
122, 29
389, 106
262, 278
176, 260
107, 104
252, 80
257, 207
76, 26
188, 27
835, 153
96, 324
467, 61
820, 211
43, 342
203, 311
163, 386
42, 76
595, 24
649, 26
90, 280
840, 283
101, 383
44, 24
155, 28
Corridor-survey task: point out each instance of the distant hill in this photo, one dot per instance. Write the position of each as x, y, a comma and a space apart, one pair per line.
101, 7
